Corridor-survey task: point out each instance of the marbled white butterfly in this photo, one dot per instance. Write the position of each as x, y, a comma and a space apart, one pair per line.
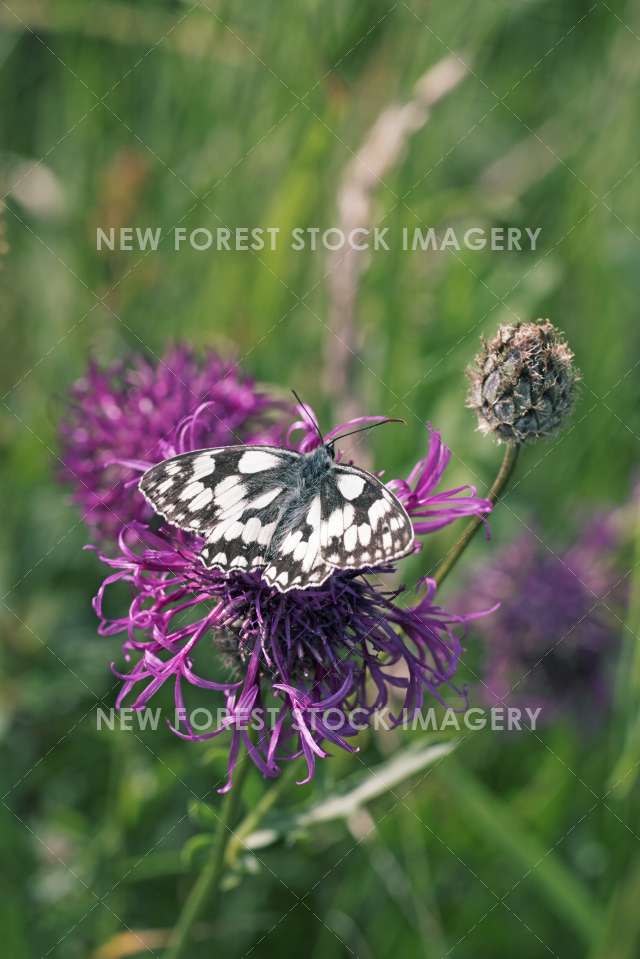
296, 517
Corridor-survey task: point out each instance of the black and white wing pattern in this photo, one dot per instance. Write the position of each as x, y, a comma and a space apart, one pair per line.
234, 496
296, 518
363, 523
351, 521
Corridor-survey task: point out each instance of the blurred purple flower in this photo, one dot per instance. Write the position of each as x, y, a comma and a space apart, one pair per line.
550, 643
312, 666
123, 418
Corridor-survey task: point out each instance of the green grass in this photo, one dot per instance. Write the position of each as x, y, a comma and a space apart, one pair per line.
248, 115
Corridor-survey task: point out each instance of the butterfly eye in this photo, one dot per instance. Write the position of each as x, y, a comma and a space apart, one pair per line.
331, 450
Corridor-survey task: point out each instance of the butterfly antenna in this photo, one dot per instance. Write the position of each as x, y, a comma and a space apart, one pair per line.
309, 414
371, 426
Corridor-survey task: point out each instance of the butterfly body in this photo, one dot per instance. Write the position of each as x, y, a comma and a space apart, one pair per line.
296, 518
304, 477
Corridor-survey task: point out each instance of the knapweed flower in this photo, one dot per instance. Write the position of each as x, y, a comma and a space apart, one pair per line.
122, 419
550, 644
296, 672
523, 383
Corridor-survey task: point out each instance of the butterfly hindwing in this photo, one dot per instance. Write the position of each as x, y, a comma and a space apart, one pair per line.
363, 522
296, 560
241, 538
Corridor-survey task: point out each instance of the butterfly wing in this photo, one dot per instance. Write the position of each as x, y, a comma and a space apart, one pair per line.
233, 496
247, 503
363, 522
296, 560
351, 522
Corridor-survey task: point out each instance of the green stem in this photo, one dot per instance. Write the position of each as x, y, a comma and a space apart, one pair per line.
255, 816
507, 467
208, 882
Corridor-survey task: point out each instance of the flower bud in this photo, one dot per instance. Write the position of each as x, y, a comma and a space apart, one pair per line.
523, 383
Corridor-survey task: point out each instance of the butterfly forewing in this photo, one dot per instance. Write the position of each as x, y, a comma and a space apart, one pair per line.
233, 496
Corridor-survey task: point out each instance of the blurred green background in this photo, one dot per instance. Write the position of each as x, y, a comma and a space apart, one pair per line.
160, 113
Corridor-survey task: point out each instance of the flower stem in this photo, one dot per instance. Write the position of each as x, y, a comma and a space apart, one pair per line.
208, 882
255, 816
507, 467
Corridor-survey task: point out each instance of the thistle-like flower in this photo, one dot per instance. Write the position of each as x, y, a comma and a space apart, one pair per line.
122, 419
523, 383
308, 667
551, 641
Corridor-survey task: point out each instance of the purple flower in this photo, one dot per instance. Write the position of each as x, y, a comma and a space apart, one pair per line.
430, 510
308, 668
551, 642
123, 418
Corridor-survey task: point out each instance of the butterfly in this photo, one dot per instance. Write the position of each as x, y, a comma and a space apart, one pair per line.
295, 517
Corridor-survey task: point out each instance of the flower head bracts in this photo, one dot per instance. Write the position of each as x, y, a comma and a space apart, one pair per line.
523, 383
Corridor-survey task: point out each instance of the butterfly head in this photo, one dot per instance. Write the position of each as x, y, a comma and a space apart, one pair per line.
330, 446
322, 457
